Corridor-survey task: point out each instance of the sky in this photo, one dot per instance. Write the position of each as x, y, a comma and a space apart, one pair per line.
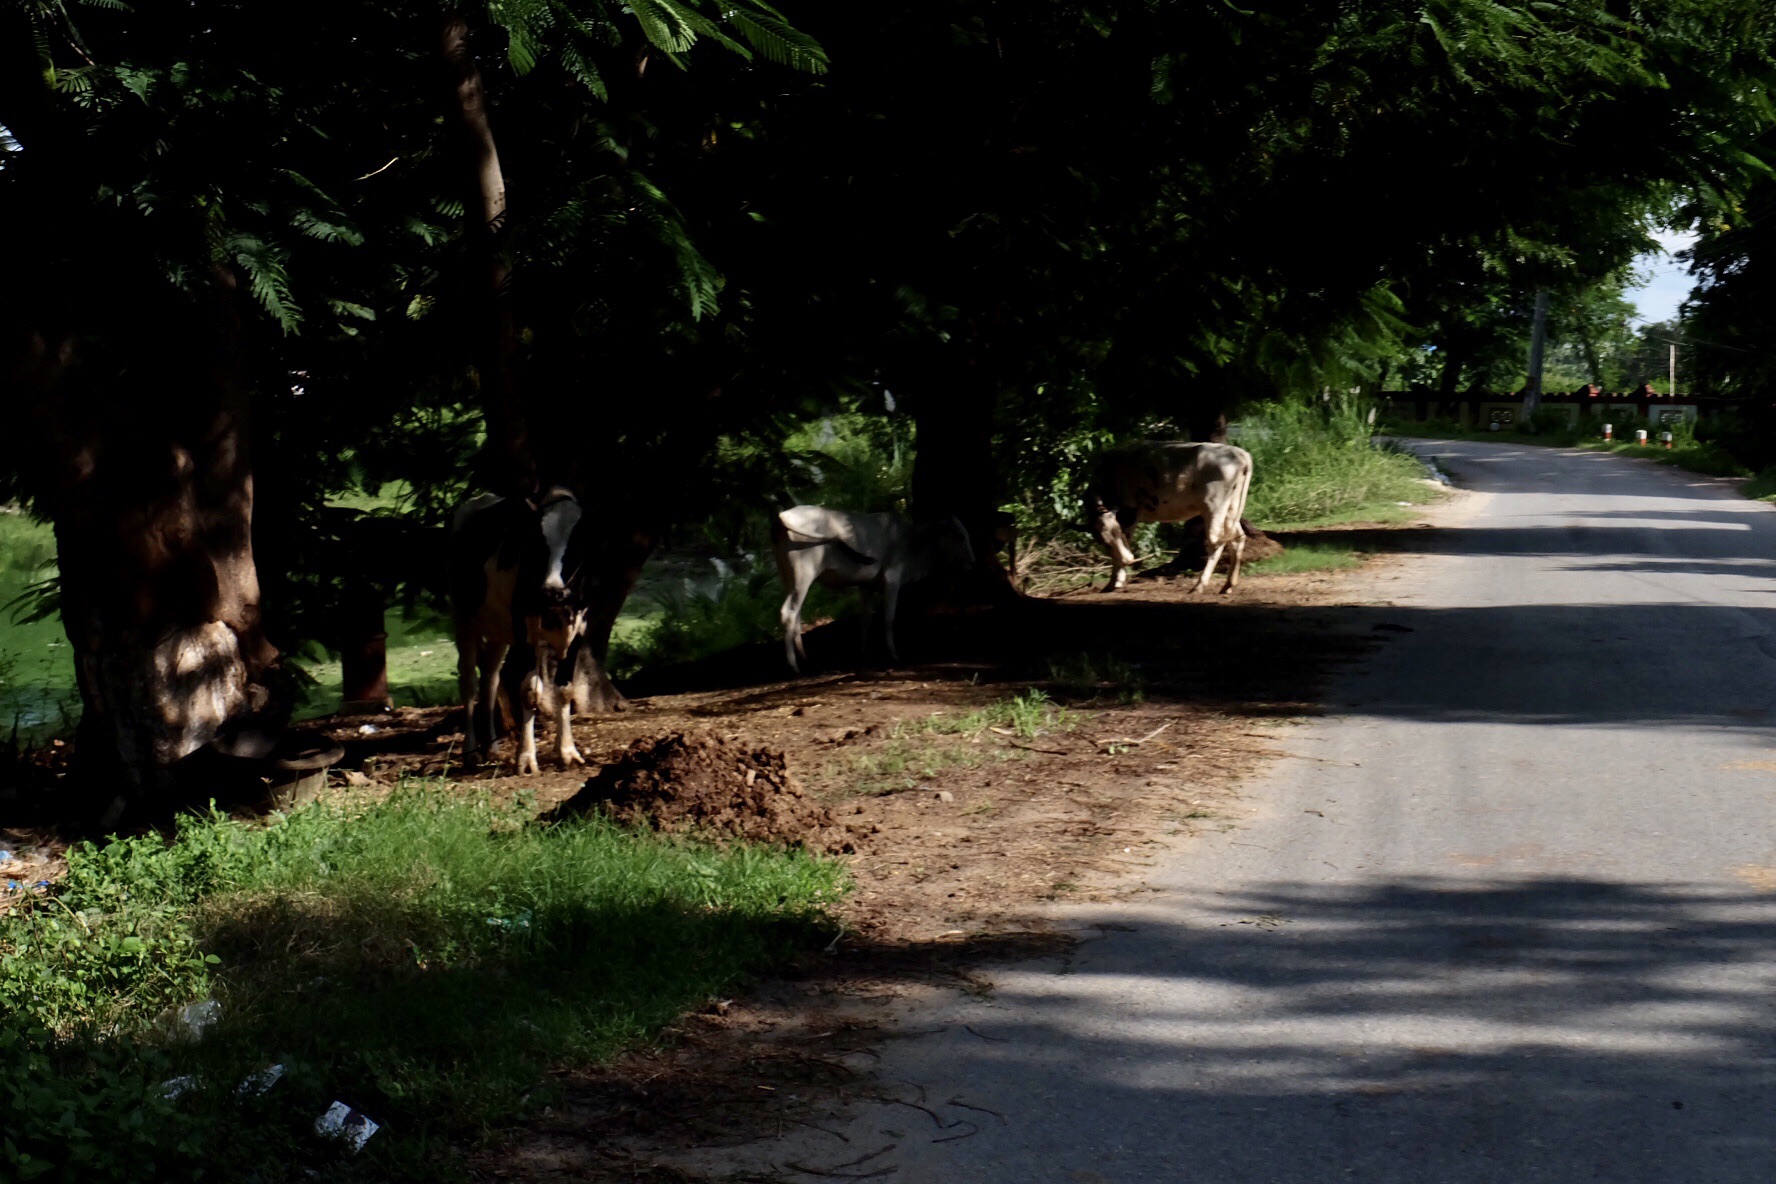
1658, 299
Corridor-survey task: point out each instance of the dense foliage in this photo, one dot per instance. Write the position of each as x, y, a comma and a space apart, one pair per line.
639, 248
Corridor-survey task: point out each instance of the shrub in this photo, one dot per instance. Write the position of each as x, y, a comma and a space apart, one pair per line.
1315, 459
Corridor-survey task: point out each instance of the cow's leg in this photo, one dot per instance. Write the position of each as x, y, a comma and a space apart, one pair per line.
1208, 572
564, 737
1122, 552
523, 685
564, 698
1239, 553
467, 688
527, 723
492, 658
791, 617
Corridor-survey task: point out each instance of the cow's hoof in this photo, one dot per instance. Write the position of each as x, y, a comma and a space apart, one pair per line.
571, 757
528, 764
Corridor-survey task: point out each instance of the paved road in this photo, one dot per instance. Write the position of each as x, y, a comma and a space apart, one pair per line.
1514, 922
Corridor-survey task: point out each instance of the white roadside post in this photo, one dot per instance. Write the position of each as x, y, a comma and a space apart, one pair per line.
1609, 431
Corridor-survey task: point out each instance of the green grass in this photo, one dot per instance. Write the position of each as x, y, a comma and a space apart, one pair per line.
903, 764
1761, 487
36, 667
1688, 454
1029, 714
1300, 557
424, 959
918, 750
1316, 462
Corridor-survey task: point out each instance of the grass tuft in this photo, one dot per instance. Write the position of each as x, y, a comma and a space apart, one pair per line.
1315, 461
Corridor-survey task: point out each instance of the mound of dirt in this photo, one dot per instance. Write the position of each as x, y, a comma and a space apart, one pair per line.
712, 786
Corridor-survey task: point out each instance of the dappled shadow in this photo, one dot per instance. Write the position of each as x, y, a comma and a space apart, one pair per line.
1534, 539
1671, 663
1401, 1030
1740, 518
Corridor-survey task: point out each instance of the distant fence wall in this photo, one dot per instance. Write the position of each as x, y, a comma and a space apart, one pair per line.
1477, 409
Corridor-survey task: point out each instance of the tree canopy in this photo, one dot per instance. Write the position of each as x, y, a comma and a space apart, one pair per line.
634, 247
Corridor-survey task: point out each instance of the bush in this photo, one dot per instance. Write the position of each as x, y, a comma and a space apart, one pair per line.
1550, 421
1315, 459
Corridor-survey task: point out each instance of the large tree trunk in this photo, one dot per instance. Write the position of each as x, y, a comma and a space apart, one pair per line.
150, 488
511, 461
1449, 377
953, 470
619, 563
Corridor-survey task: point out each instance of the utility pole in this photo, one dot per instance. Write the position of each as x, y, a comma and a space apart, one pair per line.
1532, 395
1674, 367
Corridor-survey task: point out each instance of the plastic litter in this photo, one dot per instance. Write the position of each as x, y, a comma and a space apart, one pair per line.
368, 729
347, 1125
257, 1083
5, 856
197, 1018
178, 1087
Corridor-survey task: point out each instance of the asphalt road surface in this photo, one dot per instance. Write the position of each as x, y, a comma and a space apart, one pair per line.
1508, 914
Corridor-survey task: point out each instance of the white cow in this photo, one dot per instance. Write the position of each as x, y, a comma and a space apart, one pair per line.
1170, 481
841, 549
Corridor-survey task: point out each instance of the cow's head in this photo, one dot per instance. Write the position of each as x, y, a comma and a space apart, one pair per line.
558, 514
1101, 521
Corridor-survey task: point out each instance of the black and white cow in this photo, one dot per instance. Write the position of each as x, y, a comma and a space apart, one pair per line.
1170, 481
838, 548
517, 590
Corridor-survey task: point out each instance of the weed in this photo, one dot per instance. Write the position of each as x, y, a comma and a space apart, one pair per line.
1304, 556
1315, 459
902, 764
1085, 674
1762, 487
1029, 714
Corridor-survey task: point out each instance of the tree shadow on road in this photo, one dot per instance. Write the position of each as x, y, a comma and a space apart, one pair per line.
1396, 1030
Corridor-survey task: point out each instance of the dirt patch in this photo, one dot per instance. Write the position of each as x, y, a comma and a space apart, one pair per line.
1169, 702
715, 787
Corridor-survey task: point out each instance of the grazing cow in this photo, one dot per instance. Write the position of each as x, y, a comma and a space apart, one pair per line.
841, 549
1170, 481
517, 592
